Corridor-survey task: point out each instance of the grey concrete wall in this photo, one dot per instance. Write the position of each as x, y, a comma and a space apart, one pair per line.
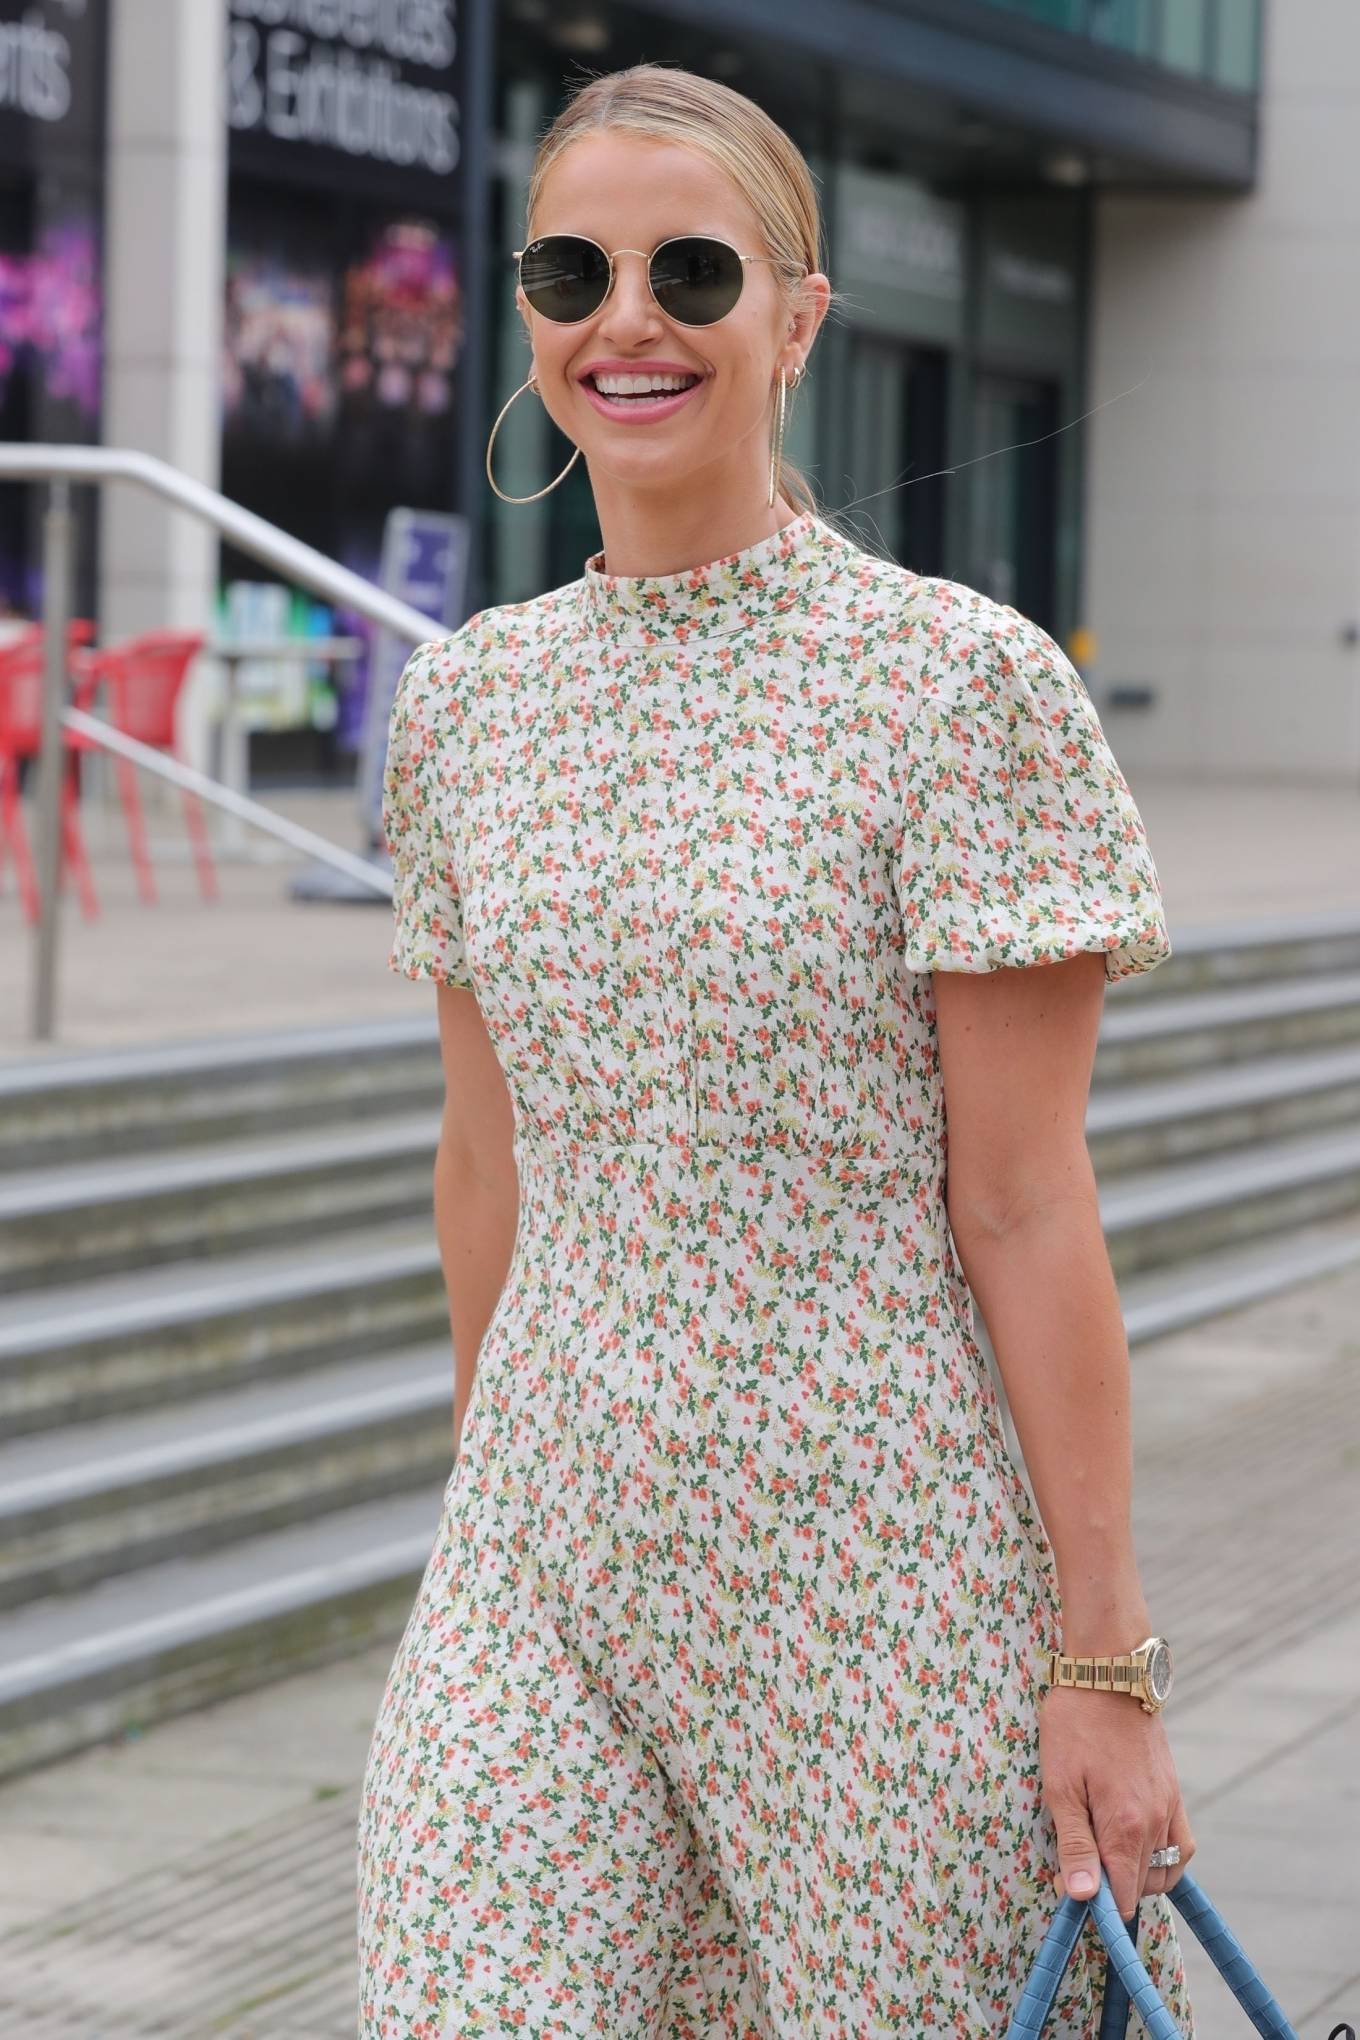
166, 210
1223, 507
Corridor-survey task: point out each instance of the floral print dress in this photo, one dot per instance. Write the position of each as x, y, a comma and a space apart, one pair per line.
716, 1712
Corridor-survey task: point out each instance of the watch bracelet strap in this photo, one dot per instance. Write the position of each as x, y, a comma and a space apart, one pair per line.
1114, 1673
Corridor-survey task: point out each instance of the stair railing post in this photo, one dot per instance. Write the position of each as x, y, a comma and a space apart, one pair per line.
57, 598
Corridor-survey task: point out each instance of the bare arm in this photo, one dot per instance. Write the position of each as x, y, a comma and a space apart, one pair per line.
476, 1188
1017, 1049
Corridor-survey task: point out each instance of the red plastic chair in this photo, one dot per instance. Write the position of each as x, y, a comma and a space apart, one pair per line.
79, 631
143, 678
22, 672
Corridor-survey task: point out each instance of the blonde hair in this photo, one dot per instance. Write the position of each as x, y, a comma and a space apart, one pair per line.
766, 166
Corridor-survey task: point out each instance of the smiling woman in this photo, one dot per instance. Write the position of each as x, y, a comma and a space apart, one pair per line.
721, 279
718, 1710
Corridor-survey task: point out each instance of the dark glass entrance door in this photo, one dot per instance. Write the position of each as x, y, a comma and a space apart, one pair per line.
896, 438
1014, 494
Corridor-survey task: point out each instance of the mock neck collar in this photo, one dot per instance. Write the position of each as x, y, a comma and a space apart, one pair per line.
741, 591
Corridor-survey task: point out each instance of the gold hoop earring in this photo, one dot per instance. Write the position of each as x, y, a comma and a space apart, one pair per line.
777, 446
531, 384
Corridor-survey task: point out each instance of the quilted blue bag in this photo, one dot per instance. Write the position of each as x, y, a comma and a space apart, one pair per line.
1127, 1981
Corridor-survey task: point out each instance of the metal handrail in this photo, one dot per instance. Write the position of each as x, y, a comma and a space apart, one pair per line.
375, 876
59, 466
255, 535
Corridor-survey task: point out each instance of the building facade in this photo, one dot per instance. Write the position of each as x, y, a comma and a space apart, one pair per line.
1222, 508
960, 148
1096, 257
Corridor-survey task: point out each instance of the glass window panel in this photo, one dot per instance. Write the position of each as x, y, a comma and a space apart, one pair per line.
1053, 13
1058, 13
1180, 34
1183, 28
1120, 23
1235, 61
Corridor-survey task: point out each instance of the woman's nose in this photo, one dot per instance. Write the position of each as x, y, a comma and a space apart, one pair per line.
630, 295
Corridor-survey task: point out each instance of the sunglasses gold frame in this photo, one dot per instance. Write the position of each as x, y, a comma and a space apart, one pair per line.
518, 254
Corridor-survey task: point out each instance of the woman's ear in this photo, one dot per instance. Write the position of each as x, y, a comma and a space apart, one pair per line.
810, 308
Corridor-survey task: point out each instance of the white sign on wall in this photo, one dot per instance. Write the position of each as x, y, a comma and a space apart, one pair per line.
1045, 283
900, 254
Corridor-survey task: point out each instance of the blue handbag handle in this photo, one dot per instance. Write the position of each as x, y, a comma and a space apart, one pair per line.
1114, 2014
1127, 1981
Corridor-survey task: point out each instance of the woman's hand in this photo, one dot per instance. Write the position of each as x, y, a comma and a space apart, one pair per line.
1110, 1784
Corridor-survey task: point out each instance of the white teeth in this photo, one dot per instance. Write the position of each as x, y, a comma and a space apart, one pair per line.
640, 385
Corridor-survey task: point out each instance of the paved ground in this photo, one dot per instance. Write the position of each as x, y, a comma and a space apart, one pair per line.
200, 1879
256, 959
251, 959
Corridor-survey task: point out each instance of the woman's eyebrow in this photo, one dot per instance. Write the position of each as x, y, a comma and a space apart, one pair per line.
674, 234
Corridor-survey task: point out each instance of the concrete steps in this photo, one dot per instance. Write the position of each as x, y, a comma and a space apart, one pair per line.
1201, 1030
85, 1502
1212, 954
154, 1337
225, 1375
178, 1093
1157, 1121
1156, 1217
92, 1218
145, 1645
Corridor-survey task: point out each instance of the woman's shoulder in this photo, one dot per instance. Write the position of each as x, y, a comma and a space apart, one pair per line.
958, 611
447, 673
500, 626
945, 617
976, 651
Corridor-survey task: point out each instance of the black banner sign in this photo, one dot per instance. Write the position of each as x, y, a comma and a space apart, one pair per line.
51, 81
364, 89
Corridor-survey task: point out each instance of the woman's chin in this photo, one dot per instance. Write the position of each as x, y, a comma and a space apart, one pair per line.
637, 469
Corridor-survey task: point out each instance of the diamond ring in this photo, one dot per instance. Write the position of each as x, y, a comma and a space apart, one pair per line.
1160, 1857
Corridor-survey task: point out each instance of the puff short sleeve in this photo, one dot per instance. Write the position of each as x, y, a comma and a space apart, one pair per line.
1020, 841
420, 789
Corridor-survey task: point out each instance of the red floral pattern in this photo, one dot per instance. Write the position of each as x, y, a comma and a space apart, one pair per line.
716, 1710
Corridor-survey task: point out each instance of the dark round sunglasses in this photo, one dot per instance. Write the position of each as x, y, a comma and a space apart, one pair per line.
695, 278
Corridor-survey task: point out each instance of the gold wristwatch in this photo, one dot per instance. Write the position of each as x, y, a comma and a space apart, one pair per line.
1144, 1673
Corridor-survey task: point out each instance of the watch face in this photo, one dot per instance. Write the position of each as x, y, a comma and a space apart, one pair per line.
1159, 1671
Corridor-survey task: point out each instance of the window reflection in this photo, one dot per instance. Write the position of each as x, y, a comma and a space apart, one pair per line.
1216, 40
